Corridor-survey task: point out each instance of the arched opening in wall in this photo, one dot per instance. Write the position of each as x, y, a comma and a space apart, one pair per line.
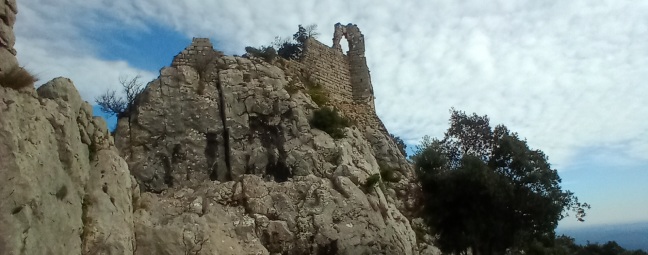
345, 45
341, 41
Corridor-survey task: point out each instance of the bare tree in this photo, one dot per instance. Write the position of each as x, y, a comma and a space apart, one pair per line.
111, 103
311, 31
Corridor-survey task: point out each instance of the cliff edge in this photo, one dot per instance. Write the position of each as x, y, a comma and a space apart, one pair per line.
218, 156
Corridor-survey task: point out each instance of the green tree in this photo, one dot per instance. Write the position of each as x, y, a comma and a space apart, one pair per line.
293, 49
485, 190
402, 147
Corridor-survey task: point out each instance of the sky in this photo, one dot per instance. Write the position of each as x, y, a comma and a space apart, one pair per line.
566, 75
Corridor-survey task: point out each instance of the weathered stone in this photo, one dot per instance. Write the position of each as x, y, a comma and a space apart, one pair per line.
63, 89
8, 60
59, 188
223, 161
7, 37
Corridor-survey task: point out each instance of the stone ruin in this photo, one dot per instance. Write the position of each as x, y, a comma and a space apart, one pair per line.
345, 77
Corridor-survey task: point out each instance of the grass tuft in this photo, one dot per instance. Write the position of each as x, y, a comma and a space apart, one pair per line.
17, 77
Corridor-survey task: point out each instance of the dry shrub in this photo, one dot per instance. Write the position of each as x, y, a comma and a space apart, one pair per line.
17, 77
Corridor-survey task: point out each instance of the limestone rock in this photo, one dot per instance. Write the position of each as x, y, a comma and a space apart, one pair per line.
66, 189
8, 10
217, 157
224, 135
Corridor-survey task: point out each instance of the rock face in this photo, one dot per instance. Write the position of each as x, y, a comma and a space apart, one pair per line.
215, 158
227, 129
8, 11
65, 188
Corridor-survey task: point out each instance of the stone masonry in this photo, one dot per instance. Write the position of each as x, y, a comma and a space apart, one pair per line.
359, 72
328, 68
8, 11
199, 47
345, 77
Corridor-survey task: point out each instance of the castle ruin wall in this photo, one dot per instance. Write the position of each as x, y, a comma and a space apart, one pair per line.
329, 69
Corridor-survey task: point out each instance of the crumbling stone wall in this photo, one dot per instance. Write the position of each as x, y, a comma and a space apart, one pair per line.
346, 77
359, 72
200, 48
329, 68
8, 11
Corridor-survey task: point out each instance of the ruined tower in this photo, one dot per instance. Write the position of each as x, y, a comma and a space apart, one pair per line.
345, 76
358, 70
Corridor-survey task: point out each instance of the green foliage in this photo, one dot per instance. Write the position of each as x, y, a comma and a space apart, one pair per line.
318, 94
388, 174
17, 77
484, 189
402, 147
268, 53
117, 105
565, 245
294, 49
371, 181
290, 50
329, 121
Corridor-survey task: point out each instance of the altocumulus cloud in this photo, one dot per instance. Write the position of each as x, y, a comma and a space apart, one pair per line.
564, 74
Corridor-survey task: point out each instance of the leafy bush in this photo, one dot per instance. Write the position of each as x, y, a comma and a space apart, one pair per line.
329, 121
318, 94
289, 50
478, 179
268, 53
294, 49
402, 147
388, 173
371, 181
17, 77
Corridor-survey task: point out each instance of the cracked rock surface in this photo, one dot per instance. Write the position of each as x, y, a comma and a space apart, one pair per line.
216, 158
224, 147
65, 189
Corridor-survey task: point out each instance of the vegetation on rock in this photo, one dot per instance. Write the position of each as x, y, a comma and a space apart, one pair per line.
402, 147
318, 94
17, 77
371, 181
111, 103
329, 121
485, 190
388, 174
268, 53
284, 47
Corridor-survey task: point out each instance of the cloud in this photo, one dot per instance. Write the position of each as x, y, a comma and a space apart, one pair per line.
52, 45
565, 75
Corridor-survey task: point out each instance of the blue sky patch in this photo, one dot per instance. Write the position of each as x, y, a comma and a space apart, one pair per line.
148, 49
111, 120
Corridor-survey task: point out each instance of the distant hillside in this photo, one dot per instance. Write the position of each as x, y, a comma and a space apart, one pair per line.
630, 236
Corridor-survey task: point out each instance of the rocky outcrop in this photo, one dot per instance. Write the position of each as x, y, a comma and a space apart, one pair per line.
231, 134
65, 188
215, 158
8, 11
